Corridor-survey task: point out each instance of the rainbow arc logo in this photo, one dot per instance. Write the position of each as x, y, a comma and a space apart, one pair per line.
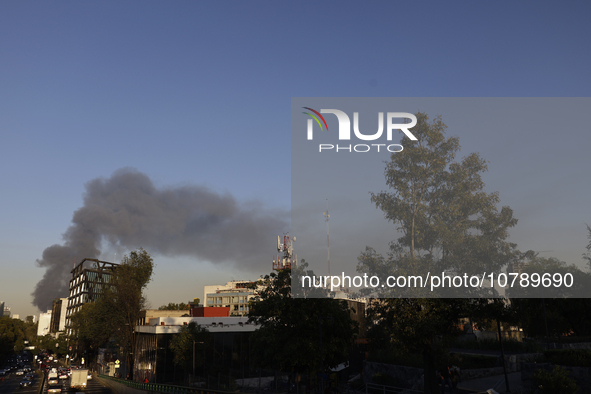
315, 118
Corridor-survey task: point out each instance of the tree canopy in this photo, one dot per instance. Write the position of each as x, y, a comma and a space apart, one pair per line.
445, 218
192, 339
171, 306
299, 334
13, 335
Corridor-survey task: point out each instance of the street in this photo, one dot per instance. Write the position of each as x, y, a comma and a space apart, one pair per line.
10, 385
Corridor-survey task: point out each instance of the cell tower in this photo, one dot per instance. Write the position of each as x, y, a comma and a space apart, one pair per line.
289, 259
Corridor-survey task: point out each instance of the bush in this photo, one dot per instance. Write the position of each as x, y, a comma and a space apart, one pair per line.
510, 345
395, 358
557, 381
387, 380
472, 361
570, 357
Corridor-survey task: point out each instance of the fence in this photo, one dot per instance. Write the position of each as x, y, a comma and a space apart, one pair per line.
160, 388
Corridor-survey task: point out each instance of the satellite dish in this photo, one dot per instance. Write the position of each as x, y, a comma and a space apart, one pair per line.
294, 238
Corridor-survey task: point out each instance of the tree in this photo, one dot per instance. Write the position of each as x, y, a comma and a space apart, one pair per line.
13, 335
415, 326
446, 219
94, 325
298, 334
447, 223
188, 345
129, 282
587, 255
115, 314
175, 307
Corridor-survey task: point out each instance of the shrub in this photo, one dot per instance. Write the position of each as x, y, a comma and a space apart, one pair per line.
557, 381
570, 357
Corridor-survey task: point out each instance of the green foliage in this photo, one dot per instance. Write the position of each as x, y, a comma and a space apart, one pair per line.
447, 220
387, 380
562, 316
546, 278
416, 360
569, 357
115, 314
175, 307
471, 361
509, 344
299, 334
557, 381
587, 255
95, 324
13, 334
412, 325
188, 346
389, 356
58, 346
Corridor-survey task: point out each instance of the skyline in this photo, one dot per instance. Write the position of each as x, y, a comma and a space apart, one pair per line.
198, 95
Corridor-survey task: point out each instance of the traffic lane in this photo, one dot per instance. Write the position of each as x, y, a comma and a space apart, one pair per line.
93, 386
11, 385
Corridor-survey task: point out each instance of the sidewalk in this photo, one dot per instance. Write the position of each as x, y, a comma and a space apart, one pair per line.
496, 382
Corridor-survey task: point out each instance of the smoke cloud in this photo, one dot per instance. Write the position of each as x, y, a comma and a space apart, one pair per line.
127, 211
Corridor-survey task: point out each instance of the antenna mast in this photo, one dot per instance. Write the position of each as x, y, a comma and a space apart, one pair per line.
289, 258
327, 235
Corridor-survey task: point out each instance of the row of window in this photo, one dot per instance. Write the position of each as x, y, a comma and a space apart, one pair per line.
228, 300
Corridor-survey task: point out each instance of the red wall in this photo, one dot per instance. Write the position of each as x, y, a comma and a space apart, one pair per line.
222, 311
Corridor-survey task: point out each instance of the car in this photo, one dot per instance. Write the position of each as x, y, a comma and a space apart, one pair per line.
19, 372
54, 389
26, 383
52, 381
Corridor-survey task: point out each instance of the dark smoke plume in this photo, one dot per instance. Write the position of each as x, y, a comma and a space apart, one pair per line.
127, 211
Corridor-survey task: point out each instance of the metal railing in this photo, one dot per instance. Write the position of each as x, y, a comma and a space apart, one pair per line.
163, 388
372, 388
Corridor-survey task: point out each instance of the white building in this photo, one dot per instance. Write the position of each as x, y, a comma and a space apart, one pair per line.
234, 294
44, 324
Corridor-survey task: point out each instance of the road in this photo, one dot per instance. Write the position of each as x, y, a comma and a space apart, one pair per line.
10, 385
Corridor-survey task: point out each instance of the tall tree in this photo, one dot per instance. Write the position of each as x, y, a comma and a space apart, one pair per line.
129, 283
447, 222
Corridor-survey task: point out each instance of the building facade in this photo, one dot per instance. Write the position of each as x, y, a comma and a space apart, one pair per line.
234, 295
44, 324
89, 280
58, 315
228, 347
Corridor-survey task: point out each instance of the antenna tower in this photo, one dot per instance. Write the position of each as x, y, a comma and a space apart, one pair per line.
289, 259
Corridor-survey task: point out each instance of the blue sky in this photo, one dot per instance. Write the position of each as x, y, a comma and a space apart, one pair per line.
198, 94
